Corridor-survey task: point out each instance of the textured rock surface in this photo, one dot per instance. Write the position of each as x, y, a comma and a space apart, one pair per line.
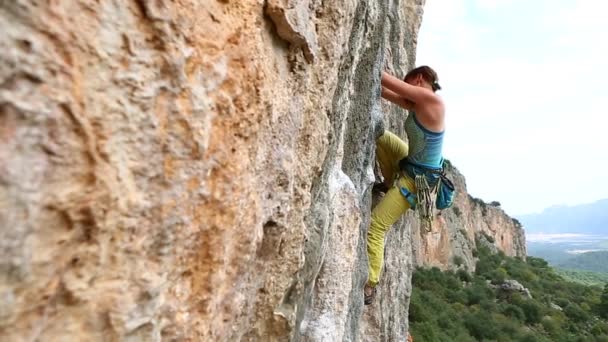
512, 285
201, 170
196, 169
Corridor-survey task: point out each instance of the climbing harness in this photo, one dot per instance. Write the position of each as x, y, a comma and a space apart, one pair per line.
433, 189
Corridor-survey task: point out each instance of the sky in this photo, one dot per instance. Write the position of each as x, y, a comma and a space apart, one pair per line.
525, 85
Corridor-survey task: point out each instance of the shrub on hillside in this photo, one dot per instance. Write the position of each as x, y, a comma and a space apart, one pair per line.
551, 326
464, 276
575, 313
513, 311
444, 309
600, 328
458, 260
498, 276
603, 306
532, 310
480, 326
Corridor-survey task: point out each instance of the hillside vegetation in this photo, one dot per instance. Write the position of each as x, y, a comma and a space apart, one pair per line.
583, 277
458, 306
589, 261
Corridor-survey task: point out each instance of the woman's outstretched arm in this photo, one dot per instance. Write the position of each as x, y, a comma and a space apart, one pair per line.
406, 90
390, 95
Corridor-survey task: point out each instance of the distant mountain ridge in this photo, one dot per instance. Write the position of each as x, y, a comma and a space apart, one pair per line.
589, 218
590, 261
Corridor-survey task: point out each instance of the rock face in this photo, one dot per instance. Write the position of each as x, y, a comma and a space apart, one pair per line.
201, 170
196, 170
457, 230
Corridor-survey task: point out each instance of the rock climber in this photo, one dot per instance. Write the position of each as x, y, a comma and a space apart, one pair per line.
424, 127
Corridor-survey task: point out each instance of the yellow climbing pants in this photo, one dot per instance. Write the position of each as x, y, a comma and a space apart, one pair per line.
389, 150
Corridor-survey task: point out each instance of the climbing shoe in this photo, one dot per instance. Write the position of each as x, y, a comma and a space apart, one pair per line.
369, 293
379, 188
379, 127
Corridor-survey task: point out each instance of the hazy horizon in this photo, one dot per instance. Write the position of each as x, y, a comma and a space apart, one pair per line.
523, 85
561, 206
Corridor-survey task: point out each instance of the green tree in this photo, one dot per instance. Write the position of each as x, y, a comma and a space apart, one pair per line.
575, 313
442, 308
600, 328
481, 326
551, 326
498, 276
603, 307
514, 312
426, 331
418, 311
532, 310
458, 260
464, 275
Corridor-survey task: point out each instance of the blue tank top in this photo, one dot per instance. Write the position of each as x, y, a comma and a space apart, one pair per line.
424, 146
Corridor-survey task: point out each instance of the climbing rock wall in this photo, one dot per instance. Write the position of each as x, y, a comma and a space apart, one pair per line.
196, 170
452, 242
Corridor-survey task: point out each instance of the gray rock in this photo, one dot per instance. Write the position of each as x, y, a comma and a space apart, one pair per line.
511, 285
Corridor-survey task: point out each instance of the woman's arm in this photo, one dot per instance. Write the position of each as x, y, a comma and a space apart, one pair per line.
396, 99
427, 105
406, 90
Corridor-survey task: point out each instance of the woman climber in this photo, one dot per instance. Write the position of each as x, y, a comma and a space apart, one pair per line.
424, 127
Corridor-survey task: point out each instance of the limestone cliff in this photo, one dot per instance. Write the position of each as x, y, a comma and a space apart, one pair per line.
201, 170
456, 231
195, 170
